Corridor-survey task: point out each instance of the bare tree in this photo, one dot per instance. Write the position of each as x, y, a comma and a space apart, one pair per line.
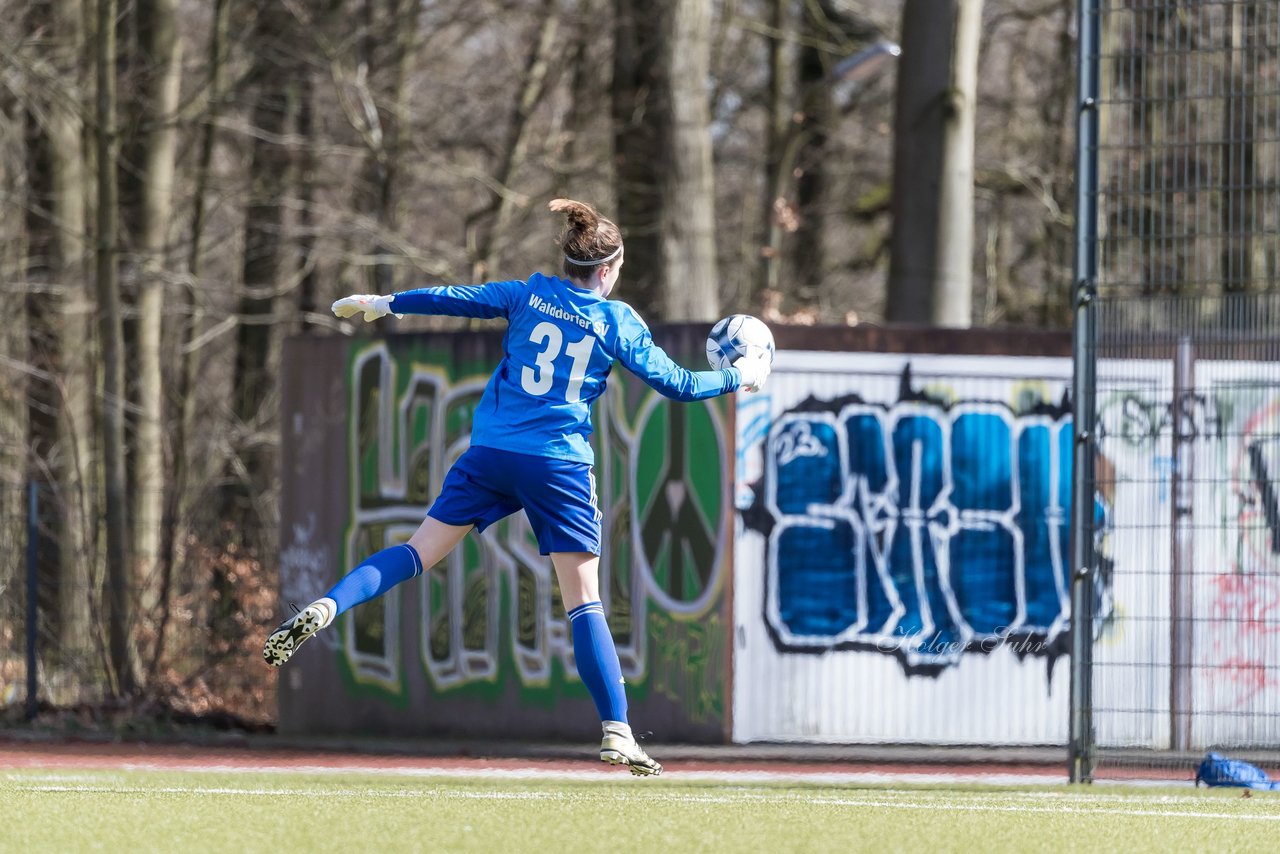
779, 140
15, 372
808, 158
690, 279
917, 157
806, 47
494, 218
931, 268
1239, 157
161, 51
584, 93
639, 142
248, 490
14, 177
111, 337
191, 315
931, 257
953, 279
376, 105
309, 308
59, 318
662, 155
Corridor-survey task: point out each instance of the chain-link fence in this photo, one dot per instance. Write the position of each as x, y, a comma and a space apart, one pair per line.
192, 617
1178, 385
16, 562
48, 649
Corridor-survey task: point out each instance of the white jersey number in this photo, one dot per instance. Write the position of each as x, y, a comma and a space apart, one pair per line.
538, 379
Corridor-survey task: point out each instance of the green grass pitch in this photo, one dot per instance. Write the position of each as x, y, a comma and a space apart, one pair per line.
218, 811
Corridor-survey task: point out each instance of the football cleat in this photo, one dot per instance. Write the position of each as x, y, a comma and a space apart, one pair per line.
620, 748
285, 640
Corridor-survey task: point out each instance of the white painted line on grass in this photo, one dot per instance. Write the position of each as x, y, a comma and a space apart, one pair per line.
951, 801
730, 777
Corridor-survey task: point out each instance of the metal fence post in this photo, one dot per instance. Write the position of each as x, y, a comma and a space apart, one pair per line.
1182, 549
1080, 736
33, 507
1083, 565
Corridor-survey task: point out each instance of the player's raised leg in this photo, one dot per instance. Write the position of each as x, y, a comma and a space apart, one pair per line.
373, 577
597, 660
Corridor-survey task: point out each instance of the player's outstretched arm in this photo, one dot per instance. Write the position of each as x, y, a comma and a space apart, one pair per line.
651, 363
495, 299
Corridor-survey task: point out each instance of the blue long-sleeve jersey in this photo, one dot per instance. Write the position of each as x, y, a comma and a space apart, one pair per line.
560, 345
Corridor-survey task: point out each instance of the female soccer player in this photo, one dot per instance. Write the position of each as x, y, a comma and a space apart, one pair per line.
529, 445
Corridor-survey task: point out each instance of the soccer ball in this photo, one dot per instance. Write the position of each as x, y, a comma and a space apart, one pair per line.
736, 336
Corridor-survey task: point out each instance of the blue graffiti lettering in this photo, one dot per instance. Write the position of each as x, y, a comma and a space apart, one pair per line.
917, 528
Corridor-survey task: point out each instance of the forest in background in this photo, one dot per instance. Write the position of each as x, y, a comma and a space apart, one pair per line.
185, 184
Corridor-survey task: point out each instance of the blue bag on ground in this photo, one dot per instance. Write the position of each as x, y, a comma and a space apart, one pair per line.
1218, 770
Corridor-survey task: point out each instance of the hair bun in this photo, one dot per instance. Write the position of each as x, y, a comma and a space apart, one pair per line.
588, 239
581, 216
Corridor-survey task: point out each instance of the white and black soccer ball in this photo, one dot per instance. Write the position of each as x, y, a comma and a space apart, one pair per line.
736, 336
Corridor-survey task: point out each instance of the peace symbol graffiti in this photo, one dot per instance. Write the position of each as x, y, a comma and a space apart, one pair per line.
678, 503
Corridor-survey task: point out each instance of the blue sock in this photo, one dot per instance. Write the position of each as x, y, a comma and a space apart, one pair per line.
597, 660
375, 576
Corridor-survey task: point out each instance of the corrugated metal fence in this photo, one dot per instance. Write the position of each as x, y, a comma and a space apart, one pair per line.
900, 575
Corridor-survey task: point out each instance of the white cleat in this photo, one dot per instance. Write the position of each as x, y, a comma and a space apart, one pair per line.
291, 634
619, 747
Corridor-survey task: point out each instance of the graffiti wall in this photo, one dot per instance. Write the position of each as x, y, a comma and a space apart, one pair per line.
897, 528
1193, 532
900, 569
902, 547
480, 645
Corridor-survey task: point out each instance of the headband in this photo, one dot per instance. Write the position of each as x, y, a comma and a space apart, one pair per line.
614, 254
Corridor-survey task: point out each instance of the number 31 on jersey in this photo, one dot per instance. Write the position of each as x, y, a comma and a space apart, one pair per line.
537, 380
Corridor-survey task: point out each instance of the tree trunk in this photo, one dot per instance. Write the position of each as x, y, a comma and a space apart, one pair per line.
70, 209
308, 299
953, 276
924, 75
247, 495
182, 488
640, 147
584, 92
1239, 161
502, 206
375, 192
808, 252
1159, 218
400, 132
112, 335
930, 265
15, 378
662, 149
690, 280
63, 426
161, 56
777, 172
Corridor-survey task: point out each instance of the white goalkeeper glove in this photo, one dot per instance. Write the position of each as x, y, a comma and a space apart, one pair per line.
754, 371
372, 305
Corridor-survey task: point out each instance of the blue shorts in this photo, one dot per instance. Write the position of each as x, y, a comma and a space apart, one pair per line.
558, 496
